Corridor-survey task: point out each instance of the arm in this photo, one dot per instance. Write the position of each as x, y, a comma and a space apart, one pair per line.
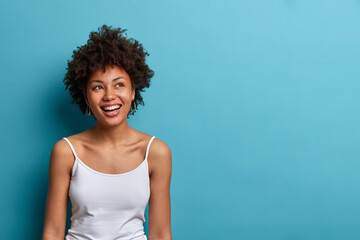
159, 202
57, 198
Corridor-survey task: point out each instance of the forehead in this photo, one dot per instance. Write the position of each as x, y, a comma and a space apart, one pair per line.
109, 74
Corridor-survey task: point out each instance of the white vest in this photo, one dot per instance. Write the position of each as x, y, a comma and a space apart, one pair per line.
108, 206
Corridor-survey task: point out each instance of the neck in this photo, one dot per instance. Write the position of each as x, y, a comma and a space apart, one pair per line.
114, 135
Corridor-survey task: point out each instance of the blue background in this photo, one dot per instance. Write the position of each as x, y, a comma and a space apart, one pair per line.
258, 101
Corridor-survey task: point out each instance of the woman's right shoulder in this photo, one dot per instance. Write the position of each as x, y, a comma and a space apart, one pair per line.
61, 148
61, 154
62, 144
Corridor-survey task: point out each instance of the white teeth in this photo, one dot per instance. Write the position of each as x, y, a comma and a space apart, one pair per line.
112, 107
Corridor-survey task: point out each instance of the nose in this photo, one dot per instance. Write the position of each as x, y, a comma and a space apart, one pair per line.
109, 95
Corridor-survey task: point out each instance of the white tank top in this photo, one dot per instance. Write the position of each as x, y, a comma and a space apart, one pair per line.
108, 206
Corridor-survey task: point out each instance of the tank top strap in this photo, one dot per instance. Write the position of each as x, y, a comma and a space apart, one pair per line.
148, 146
71, 146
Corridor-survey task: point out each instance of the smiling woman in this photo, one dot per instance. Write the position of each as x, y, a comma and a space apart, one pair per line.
108, 47
118, 174
111, 96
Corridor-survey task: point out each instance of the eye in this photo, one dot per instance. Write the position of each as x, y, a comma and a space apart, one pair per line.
119, 84
95, 88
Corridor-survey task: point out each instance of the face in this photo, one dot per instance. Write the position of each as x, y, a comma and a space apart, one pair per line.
111, 88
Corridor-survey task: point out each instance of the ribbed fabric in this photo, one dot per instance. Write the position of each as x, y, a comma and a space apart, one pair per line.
108, 206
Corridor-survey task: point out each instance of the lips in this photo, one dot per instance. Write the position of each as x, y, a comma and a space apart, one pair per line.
111, 113
109, 108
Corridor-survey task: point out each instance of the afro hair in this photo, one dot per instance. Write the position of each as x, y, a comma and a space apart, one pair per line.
107, 46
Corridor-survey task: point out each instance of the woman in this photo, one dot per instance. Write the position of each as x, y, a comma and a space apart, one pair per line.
109, 171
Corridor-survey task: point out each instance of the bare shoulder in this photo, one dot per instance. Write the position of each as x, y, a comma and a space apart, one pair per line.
159, 157
160, 148
62, 149
61, 157
77, 137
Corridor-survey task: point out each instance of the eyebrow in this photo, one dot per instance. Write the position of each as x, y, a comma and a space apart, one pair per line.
117, 78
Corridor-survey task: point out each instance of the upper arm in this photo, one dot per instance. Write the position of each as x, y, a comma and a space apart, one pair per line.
60, 165
159, 202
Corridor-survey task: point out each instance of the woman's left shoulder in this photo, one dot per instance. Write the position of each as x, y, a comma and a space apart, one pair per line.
159, 156
159, 147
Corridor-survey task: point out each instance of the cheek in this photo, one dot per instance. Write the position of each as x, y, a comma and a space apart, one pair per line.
124, 96
94, 98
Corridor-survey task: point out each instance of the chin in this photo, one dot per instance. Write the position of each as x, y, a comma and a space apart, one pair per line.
111, 122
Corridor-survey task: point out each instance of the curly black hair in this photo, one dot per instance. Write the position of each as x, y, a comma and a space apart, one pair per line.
108, 46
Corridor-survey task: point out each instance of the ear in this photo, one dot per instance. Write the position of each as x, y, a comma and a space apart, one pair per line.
133, 94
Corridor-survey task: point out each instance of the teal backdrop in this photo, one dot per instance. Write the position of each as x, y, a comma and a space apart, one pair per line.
258, 101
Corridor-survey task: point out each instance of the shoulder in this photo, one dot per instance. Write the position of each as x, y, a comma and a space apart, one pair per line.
61, 148
61, 156
159, 157
76, 140
160, 148
76, 137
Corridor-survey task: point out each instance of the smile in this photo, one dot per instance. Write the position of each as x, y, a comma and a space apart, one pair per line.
110, 108
111, 111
